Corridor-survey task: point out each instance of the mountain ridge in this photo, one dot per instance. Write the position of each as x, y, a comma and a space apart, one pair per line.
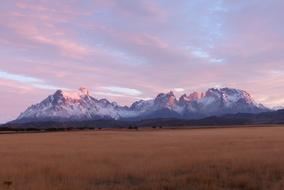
81, 106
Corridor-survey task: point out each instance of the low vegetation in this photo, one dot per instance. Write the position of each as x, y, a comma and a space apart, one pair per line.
163, 159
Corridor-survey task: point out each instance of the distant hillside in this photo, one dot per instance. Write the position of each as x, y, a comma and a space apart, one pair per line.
273, 117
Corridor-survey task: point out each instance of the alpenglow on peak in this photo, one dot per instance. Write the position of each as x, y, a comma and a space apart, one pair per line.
80, 106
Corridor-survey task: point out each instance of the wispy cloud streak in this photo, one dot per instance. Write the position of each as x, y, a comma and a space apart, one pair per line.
135, 49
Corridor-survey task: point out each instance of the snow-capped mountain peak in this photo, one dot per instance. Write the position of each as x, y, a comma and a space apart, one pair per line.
166, 100
194, 96
74, 95
72, 105
230, 95
80, 105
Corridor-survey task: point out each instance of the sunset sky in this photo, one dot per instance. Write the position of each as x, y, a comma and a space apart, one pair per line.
132, 49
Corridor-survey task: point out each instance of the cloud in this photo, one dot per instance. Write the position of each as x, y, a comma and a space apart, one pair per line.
123, 90
179, 89
67, 47
202, 54
34, 82
19, 78
140, 48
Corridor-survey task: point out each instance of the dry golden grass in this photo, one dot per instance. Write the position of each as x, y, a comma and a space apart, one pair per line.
199, 159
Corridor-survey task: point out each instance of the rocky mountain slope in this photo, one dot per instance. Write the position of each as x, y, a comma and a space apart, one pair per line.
81, 106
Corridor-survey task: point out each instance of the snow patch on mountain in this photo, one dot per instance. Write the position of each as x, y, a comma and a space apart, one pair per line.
80, 105
76, 105
75, 95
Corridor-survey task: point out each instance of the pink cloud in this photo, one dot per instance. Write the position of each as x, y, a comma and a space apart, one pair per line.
142, 45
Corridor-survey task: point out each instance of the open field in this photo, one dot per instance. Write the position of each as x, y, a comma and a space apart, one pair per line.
225, 158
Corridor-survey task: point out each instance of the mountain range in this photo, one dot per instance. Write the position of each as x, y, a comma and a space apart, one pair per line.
79, 105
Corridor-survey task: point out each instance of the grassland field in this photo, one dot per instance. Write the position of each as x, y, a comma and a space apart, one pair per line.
238, 158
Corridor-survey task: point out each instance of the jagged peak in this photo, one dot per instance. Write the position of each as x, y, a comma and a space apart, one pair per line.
196, 95
166, 99
169, 94
84, 91
184, 96
213, 92
225, 90
75, 95
192, 96
58, 93
80, 105
230, 95
104, 101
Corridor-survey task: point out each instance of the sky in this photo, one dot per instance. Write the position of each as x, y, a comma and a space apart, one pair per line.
127, 50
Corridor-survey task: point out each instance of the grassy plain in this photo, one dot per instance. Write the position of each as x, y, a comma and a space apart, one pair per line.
163, 159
